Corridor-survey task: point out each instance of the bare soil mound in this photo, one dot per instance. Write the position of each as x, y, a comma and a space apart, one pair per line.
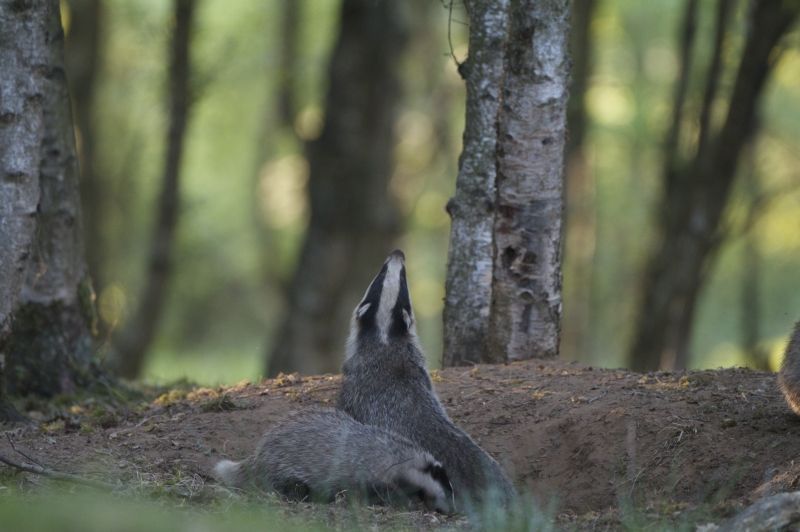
582, 437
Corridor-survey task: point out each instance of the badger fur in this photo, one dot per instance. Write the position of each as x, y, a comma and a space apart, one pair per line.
789, 374
386, 384
319, 453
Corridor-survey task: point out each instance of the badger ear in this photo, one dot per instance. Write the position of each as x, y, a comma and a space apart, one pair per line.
408, 318
360, 311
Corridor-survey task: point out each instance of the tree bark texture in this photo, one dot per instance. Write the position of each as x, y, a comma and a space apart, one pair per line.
49, 347
83, 57
579, 218
354, 217
468, 290
693, 200
526, 285
21, 130
132, 344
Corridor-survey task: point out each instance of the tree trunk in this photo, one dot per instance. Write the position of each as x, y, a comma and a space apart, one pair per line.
287, 90
468, 289
83, 55
750, 310
525, 317
354, 219
135, 340
693, 201
21, 130
49, 346
579, 219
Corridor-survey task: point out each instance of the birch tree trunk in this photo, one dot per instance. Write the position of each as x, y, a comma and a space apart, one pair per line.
48, 348
468, 290
526, 285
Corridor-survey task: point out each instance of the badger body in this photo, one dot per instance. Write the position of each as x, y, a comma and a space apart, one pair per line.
319, 453
386, 384
789, 374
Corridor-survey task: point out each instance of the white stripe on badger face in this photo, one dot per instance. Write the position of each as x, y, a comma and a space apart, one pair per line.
389, 293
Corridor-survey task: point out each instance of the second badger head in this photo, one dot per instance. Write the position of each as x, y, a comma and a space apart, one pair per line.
384, 314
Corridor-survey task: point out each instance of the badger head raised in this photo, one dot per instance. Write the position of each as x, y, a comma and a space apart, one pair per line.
384, 314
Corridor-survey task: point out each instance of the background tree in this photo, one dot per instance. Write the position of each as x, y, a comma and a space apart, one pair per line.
512, 185
579, 212
47, 311
525, 318
83, 62
468, 290
752, 270
226, 296
353, 217
287, 84
696, 191
133, 343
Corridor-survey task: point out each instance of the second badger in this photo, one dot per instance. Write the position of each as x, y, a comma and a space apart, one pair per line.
385, 383
318, 453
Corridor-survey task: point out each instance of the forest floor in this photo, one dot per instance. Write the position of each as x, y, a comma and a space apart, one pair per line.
598, 448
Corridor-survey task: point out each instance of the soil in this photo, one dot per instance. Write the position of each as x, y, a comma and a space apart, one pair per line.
588, 440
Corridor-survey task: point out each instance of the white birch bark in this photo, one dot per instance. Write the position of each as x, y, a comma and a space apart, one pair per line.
526, 286
468, 290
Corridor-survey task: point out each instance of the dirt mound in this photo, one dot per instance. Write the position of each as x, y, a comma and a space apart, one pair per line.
585, 438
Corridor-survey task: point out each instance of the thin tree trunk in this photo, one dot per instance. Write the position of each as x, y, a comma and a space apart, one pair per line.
83, 56
287, 91
693, 201
49, 348
354, 219
579, 219
277, 124
671, 144
750, 309
526, 286
133, 343
468, 289
651, 359
712, 78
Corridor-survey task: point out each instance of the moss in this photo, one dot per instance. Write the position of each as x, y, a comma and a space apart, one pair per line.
49, 350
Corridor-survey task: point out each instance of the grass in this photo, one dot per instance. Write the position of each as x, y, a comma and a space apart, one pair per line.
178, 503
65, 511
69, 509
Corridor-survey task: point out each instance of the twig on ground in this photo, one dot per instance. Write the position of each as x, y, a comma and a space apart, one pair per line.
11, 442
55, 475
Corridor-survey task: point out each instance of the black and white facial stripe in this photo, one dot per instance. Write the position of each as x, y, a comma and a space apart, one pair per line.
430, 485
385, 310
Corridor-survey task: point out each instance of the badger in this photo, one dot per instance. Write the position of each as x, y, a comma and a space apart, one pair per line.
319, 453
789, 374
386, 384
